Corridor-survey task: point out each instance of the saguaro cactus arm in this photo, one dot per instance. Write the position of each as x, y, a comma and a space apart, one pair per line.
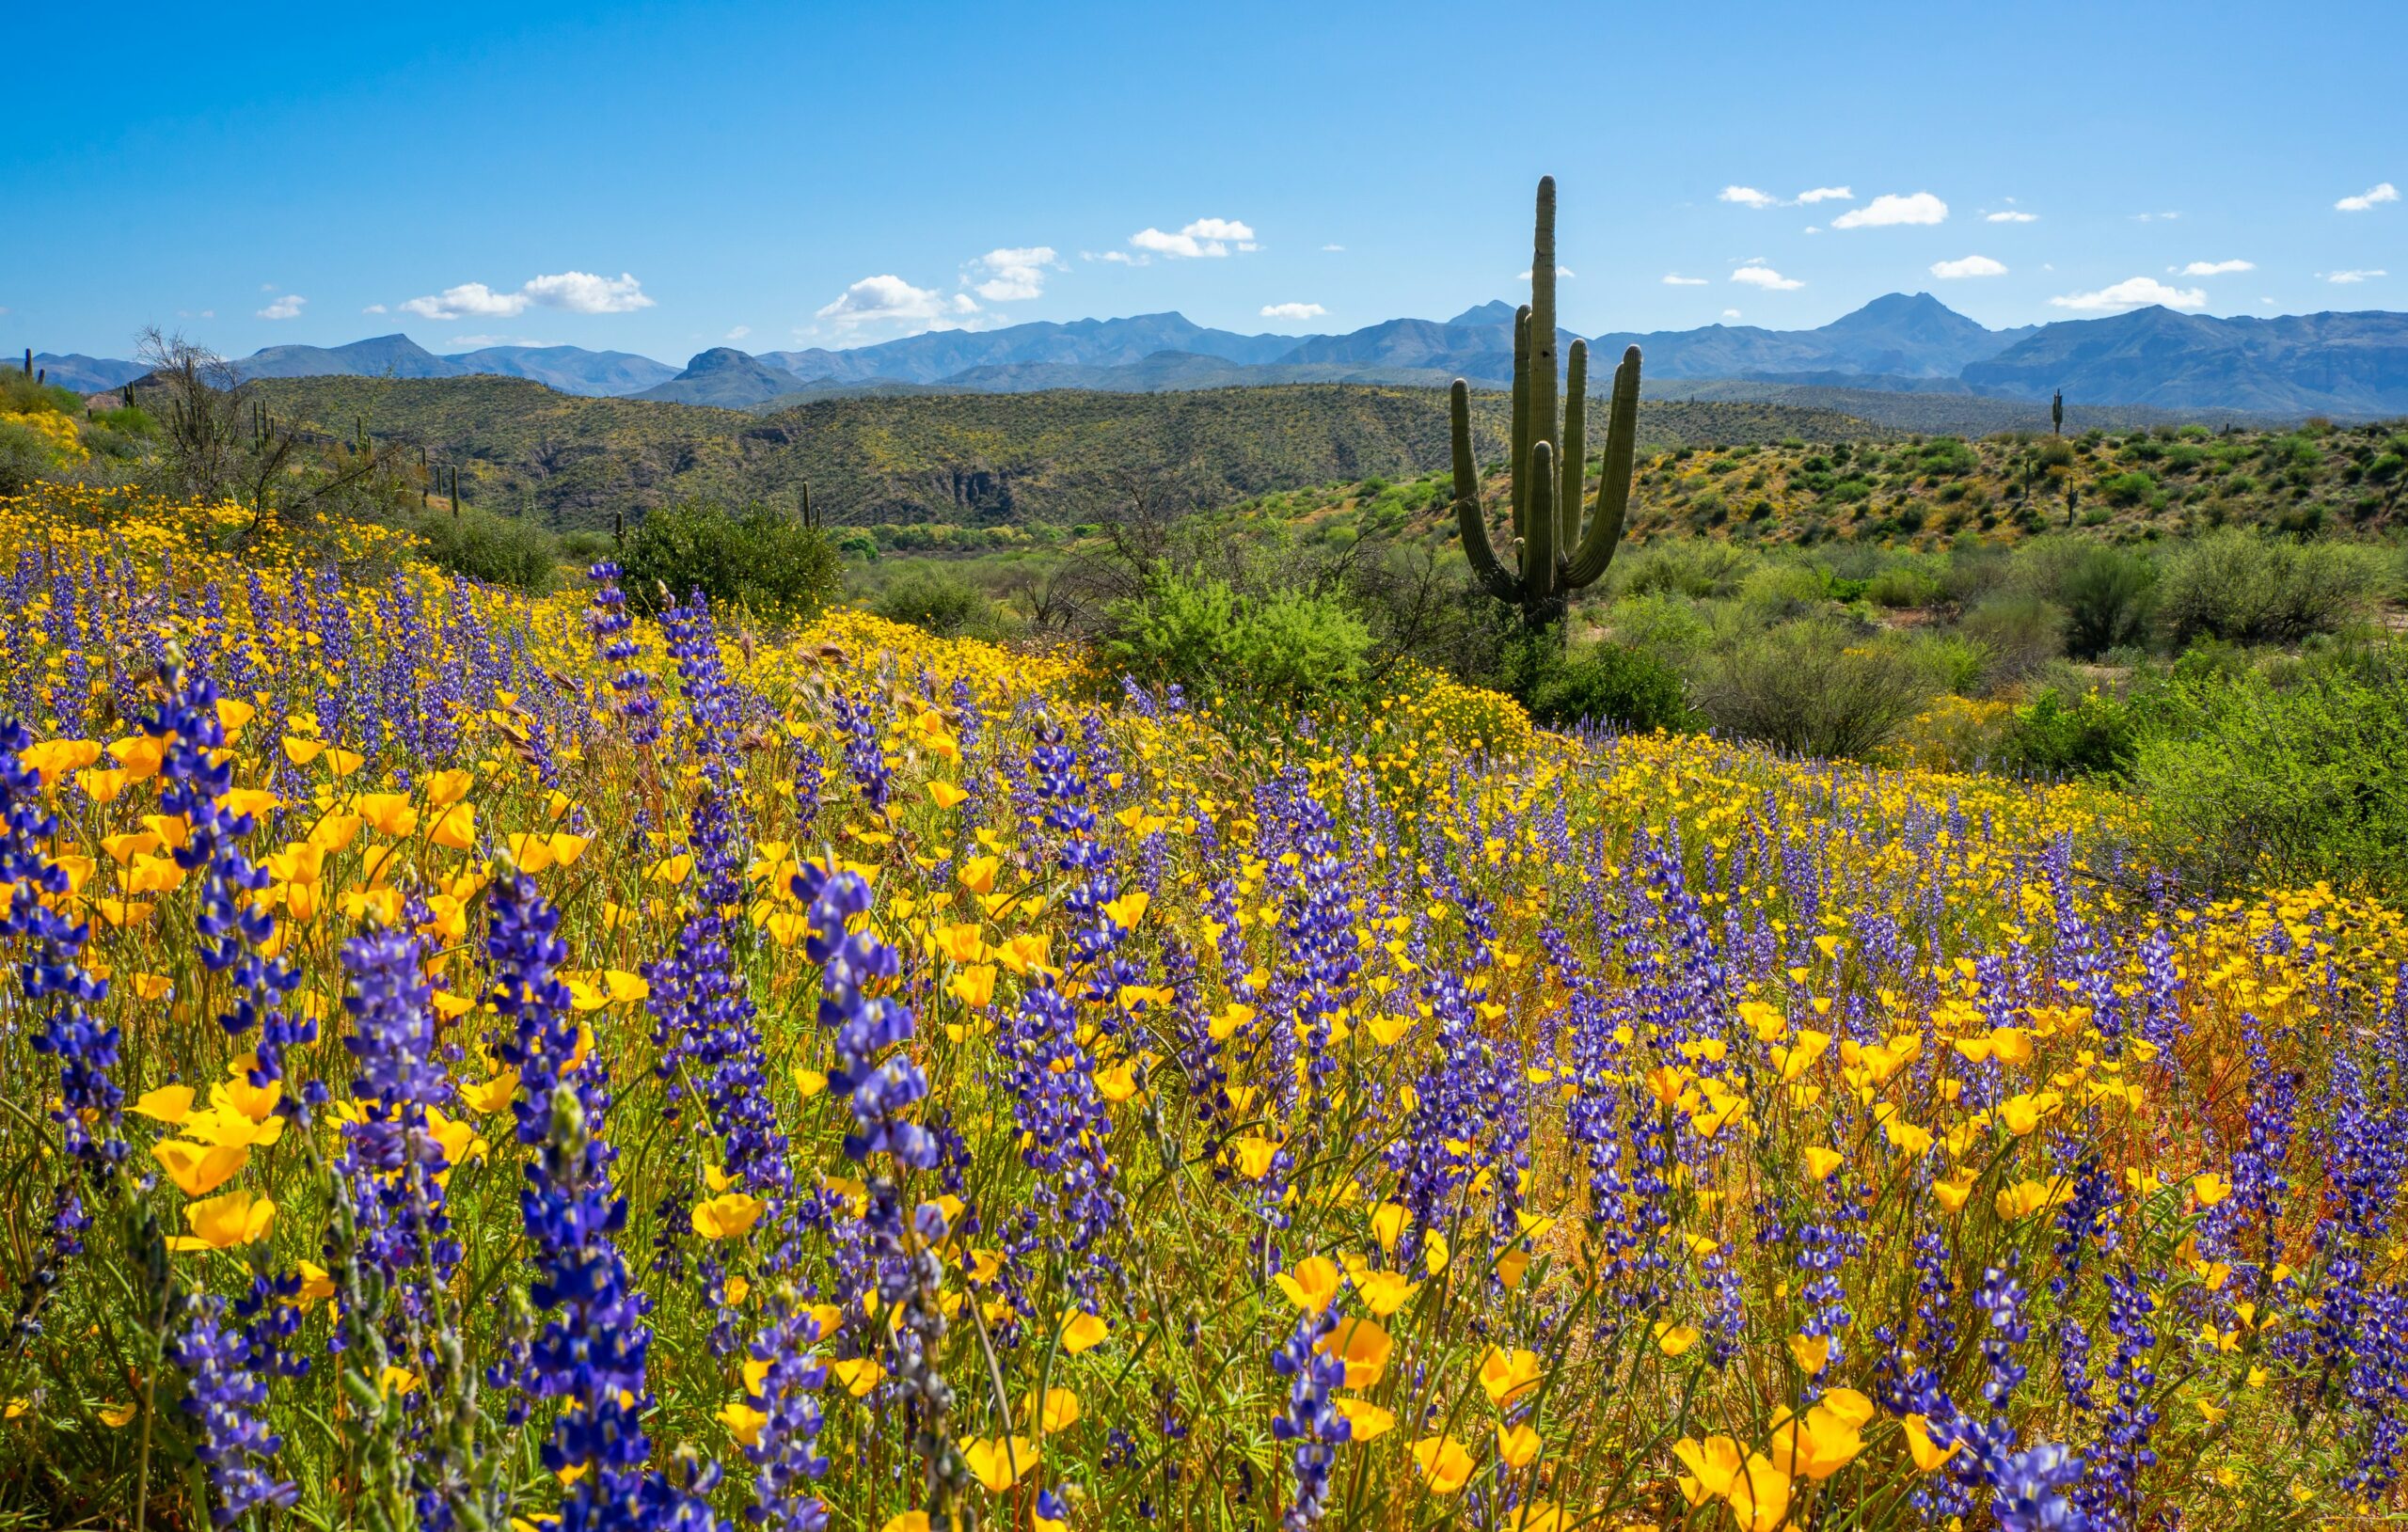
1519, 443
1572, 462
1538, 548
1596, 550
1471, 520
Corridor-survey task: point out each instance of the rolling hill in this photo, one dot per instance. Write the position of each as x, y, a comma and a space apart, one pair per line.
958, 458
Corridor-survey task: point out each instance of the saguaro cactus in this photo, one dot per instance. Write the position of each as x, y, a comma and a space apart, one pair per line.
1556, 552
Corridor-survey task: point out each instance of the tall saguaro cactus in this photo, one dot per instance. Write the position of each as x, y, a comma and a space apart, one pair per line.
1556, 550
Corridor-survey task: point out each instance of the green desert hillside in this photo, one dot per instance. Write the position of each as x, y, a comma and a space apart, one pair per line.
962, 460
1919, 491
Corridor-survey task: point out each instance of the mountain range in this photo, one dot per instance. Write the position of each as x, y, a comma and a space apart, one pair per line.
2350, 364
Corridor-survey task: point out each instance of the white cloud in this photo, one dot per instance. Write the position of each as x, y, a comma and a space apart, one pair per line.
1766, 278
1560, 271
1014, 274
890, 300
2381, 192
1154, 241
1204, 238
739, 332
1973, 265
2216, 268
1292, 311
2155, 217
1329, 249
1729, 313
286, 307
1748, 196
1889, 208
576, 291
2011, 215
373, 308
2133, 292
1673, 278
582, 292
2345, 277
469, 298
1118, 257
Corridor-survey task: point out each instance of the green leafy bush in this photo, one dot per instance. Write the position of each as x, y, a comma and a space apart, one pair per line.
2093, 736
2020, 631
500, 550
2241, 587
24, 458
1199, 632
2130, 488
1813, 688
942, 601
2260, 787
760, 562
1902, 586
1629, 688
2109, 596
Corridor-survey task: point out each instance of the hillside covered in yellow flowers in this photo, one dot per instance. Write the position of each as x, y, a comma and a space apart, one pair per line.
477, 1060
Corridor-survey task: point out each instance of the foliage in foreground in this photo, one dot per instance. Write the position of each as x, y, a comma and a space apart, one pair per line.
901, 1081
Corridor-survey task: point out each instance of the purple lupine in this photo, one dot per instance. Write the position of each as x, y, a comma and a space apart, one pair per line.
229, 1399
230, 927
391, 1158
52, 971
590, 1355
879, 1080
702, 1006
1309, 1420
614, 644
787, 1459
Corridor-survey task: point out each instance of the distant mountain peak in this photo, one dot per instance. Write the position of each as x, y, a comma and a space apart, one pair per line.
1486, 315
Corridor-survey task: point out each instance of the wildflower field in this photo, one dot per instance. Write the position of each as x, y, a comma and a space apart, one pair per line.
474, 1062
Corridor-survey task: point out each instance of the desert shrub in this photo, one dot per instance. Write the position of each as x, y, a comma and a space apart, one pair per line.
24, 458
500, 550
585, 548
1200, 632
1957, 662
2257, 785
2123, 489
1812, 687
2093, 736
942, 601
1698, 569
2109, 596
1902, 586
1665, 624
1629, 688
2019, 631
760, 562
2239, 586
1783, 590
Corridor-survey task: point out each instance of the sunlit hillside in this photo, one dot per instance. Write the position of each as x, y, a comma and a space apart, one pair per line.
481, 1060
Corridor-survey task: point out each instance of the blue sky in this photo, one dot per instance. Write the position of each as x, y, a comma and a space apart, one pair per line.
660, 179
